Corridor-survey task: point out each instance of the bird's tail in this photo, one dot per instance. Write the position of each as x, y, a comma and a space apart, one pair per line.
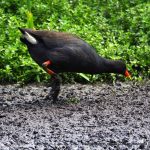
27, 36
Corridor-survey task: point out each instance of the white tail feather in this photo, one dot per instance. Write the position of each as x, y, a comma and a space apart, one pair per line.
30, 38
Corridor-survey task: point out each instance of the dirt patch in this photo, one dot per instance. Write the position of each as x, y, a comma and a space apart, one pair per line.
87, 117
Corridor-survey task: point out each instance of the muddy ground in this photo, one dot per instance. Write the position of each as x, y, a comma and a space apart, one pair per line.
87, 117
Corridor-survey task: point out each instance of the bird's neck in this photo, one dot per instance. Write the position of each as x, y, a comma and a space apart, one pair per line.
108, 66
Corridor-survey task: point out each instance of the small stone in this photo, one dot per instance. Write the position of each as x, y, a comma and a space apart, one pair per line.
142, 146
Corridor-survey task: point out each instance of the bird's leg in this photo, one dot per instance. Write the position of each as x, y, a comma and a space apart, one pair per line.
45, 66
55, 87
55, 81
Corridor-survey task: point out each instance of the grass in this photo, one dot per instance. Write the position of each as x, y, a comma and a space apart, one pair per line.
117, 29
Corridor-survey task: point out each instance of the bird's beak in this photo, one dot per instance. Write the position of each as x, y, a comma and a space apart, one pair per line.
127, 74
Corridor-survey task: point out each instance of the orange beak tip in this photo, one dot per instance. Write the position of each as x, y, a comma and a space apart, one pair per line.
128, 75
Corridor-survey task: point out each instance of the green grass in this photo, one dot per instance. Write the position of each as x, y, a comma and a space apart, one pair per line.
117, 29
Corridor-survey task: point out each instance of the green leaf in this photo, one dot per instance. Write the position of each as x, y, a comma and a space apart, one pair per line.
84, 76
30, 23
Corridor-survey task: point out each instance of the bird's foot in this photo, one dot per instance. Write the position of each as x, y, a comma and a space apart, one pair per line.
55, 88
52, 97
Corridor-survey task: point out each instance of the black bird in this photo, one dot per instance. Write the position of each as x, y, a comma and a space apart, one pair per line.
59, 52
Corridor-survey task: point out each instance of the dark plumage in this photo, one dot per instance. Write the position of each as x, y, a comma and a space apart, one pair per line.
62, 52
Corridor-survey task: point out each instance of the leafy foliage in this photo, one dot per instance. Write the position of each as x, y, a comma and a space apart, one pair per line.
117, 29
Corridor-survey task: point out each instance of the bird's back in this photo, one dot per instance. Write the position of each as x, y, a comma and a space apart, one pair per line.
67, 52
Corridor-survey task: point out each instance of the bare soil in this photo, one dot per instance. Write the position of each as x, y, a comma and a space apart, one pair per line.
87, 117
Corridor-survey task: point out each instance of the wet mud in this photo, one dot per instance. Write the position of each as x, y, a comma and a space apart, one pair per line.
87, 117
